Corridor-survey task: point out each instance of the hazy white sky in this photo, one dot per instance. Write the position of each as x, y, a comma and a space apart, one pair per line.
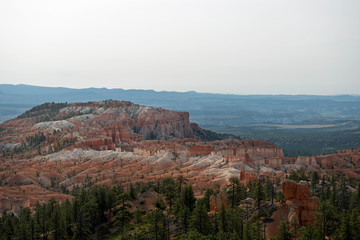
243, 47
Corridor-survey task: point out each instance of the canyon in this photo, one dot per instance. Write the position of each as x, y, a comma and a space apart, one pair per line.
54, 148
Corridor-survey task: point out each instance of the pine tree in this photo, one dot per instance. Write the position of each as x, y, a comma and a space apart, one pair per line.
200, 220
23, 227
92, 211
3, 228
183, 217
314, 180
68, 217
132, 191
138, 213
294, 176
159, 203
157, 225
311, 232
101, 195
247, 231
57, 225
194, 235
82, 225
42, 219
222, 218
233, 194
235, 222
206, 198
187, 197
281, 198
283, 232
345, 231
181, 180
269, 190
355, 223
344, 194
302, 175
123, 216
259, 194
169, 190
34, 230
328, 218
257, 231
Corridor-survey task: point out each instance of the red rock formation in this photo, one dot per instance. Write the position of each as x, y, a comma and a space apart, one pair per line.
307, 161
94, 123
247, 157
13, 199
200, 150
118, 134
215, 202
298, 200
275, 162
246, 176
97, 144
346, 162
258, 150
50, 139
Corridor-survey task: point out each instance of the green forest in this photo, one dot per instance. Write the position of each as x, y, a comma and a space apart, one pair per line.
100, 212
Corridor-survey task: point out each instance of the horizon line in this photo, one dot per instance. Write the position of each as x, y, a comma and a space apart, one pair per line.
178, 91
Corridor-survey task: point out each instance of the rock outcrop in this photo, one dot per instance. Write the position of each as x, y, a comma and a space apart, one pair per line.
346, 162
301, 206
246, 176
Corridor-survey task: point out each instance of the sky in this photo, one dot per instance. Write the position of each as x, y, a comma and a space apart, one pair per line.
227, 46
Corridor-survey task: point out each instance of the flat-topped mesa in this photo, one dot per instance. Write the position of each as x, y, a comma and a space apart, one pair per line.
119, 120
101, 124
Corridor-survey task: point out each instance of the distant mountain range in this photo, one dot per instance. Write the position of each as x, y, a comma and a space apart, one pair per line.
204, 108
278, 118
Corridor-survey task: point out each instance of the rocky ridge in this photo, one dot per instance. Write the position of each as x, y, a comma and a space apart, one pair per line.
99, 125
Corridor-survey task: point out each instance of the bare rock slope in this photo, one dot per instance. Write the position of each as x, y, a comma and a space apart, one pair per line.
99, 125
